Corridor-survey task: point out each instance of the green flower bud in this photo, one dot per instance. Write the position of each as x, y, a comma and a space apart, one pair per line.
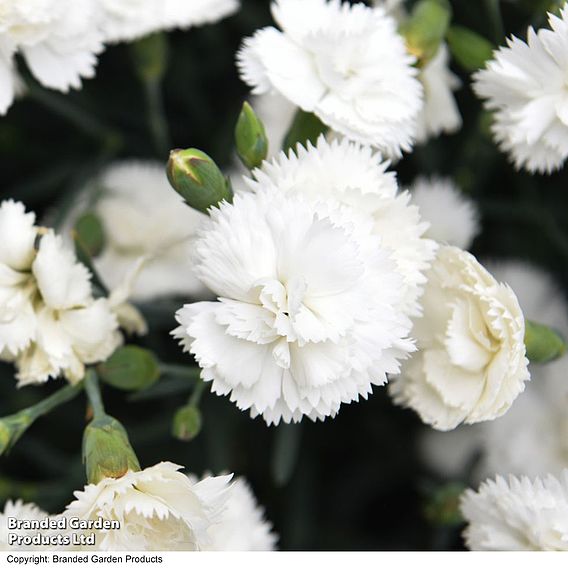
250, 138
426, 28
196, 177
443, 507
543, 344
89, 232
469, 49
186, 424
106, 450
130, 368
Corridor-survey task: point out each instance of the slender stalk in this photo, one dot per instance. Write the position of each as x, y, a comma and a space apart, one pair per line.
196, 394
192, 373
157, 117
85, 258
94, 393
493, 9
58, 398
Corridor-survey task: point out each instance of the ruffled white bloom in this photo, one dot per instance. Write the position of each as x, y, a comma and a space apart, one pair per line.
307, 317
353, 175
345, 63
144, 218
518, 514
21, 511
532, 437
158, 508
242, 526
525, 87
126, 20
453, 217
440, 112
57, 38
471, 362
50, 324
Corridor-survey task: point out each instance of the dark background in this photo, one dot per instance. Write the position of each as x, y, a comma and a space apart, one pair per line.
352, 483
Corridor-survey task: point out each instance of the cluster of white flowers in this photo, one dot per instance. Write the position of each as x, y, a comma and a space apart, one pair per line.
518, 515
160, 508
60, 39
471, 362
532, 437
317, 271
143, 218
50, 323
344, 63
524, 85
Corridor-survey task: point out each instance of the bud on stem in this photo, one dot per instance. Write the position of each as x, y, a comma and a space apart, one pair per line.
196, 177
186, 424
250, 138
543, 343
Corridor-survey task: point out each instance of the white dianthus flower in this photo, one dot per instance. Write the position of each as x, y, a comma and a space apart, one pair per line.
532, 437
126, 20
345, 63
57, 39
22, 512
307, 315
453, 217
353, 175
50, 324
471, 362
158, 508
525, 87
143, 216
518, 514
242, 526
440, 112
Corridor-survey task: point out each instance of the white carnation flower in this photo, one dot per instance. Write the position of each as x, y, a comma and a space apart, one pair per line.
355, 176
22, 512
518, 515
471, 362
345, 63
453, 217
50, 324
307, 317
127, 20
57, 38
440, 112
143, 216
532, 437
525, 87
158, 508
242, 526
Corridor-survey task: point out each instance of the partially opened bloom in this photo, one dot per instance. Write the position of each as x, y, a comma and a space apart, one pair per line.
353, 175
50, 323
440, 113
525, 86
143, 218
453, 217
345, 63
22, 512
126, 20
307, 317
242, 525
518, 514
58, 39
471, 364
158, 508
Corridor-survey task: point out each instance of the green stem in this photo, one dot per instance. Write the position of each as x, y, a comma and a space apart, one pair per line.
157, 116
196, 394
494, 12
58, 398
192, 373
85, 258
94, 393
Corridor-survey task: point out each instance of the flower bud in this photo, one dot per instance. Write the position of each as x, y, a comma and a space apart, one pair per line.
130, 368
250, 138
186, 424
543, 344
426, 28
89, 233
468, 48
443, 507
106, 450
196, 177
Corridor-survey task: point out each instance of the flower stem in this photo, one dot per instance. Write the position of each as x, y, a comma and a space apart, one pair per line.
196, 394
94, 393
192, 373
58, 398
157, 116
494, 13
85, 258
